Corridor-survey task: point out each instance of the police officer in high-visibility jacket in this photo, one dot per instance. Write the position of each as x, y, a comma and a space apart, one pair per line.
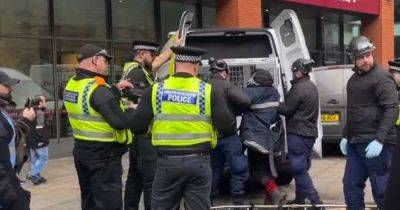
392, 194
142, 157
184, 112
99, 125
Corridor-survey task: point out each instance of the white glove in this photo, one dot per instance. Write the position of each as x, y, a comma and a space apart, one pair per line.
343, 146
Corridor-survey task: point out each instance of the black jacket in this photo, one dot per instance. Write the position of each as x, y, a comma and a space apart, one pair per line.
233, 98
220, 115
371, 107
10, 186
38, 136
301, 108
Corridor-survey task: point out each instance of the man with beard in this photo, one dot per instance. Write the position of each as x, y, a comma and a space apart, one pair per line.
12, 195
369, 133
142, 157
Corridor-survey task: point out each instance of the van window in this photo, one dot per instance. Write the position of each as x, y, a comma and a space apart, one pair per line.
231, 46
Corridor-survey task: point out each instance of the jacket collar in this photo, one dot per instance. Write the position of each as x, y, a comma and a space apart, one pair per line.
301, 79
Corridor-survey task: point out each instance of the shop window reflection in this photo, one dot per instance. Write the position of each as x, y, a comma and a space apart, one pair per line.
24, 17
76, 18
29, 60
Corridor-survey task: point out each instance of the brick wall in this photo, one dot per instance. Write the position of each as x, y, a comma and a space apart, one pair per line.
239, 13
380, 30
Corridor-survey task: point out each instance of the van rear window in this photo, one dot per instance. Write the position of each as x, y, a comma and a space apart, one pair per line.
244, 46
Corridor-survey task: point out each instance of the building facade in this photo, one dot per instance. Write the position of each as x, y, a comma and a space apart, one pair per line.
39, 38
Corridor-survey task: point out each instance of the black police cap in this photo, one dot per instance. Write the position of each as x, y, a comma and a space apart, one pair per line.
394, 65
91, 50
188, 54
144, 45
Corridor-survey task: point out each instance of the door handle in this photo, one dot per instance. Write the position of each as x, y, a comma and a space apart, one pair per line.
332, 101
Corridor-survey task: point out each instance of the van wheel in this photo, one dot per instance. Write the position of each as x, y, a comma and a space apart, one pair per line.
284, 178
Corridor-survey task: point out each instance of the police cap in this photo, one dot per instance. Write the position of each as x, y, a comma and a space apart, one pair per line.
188, 54
145, 45
394, 65
91, 50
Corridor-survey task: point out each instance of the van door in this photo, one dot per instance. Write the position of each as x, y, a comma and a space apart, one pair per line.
291, 45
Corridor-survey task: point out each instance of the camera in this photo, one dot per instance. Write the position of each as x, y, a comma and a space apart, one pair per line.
33, 102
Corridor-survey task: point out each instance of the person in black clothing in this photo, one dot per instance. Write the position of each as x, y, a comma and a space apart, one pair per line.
301, 108
37, 142
189, 161
260, 133
229, 147
392, 194
97, 155
142, 157
12, 132
369, 133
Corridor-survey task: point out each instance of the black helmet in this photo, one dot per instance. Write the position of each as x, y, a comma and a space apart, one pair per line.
217, 65
394, 66
302, 64
360, 45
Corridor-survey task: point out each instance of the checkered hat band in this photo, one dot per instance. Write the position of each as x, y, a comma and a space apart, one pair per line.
188, 58
397, 68
145, 47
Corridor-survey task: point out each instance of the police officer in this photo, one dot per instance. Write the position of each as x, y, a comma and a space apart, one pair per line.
99, 125
301, 108
12, 195
142, 157
184, 111
369, 131
392, 194
229, 147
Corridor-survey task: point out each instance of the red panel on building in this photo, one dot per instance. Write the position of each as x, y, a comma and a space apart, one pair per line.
361, 6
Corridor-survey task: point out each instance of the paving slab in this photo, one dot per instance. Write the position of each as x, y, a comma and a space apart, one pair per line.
61, 192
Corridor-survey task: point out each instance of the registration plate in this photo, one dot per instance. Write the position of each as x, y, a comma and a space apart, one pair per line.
329, 118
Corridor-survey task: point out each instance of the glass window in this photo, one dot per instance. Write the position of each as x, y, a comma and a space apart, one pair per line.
170, 15
123, 54
24, 17
30, 61
76, 18
332, 52
350, 30
310, 32
397, 28
133, 19
66, 62
209, 15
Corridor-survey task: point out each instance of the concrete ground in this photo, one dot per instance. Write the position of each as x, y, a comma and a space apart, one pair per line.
61, 192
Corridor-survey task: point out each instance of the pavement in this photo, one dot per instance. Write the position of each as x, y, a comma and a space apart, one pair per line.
61, 192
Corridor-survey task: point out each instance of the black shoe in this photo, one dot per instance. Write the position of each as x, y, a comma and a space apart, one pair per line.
37, 180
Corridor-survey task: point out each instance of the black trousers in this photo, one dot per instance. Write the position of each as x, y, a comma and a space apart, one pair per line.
392, 194
100, 183
22, 202
142, 167
177, 177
